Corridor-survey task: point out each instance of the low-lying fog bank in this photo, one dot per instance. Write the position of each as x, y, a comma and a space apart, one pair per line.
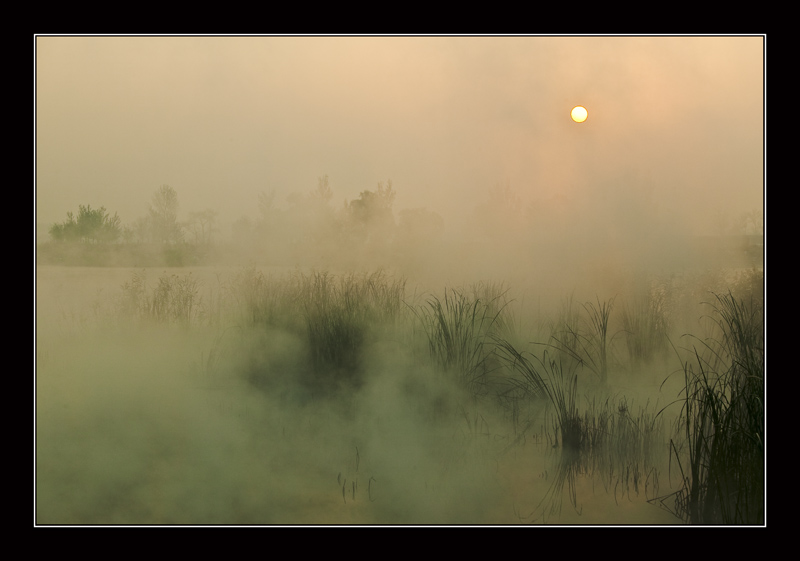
246, 396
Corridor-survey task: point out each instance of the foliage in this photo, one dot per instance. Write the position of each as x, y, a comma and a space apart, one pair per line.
202, 226
91, 226
373, 207
308, 225
370, 216
163, 216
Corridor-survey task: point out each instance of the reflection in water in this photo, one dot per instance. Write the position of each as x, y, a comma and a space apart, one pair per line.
616, 454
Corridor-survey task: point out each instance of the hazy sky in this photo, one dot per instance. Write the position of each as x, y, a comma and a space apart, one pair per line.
221, 119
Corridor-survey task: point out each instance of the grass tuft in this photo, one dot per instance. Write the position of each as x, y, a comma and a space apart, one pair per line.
721, 457
458, 329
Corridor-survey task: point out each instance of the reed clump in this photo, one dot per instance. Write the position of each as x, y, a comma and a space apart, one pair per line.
607, 428
459, 328
334, 316
545, 378
585, 340
646, 324
174, 299
339, 314
721, 455
264, 300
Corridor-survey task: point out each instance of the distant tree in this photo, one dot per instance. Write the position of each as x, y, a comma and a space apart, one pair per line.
202, 226
323, 194
163, 216
242, 229
268, 220
65, 231
111, 227
139, 231
373, 209
311, 202
91, 226
310, 219
265, 203
752, 223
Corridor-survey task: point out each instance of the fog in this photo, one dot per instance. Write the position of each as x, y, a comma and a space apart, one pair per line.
180, 381
221, 119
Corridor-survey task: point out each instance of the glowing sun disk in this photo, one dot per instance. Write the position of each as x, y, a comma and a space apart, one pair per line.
579, 114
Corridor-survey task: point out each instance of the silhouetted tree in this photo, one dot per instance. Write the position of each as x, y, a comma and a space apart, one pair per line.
163, 216
371, 214
202, 226
311, 219
323, 194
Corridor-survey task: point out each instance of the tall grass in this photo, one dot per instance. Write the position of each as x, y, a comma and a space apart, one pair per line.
602, 429
598, 337
546, 378
263, 300
340, 313
335, 316
645, 322
586, 340
721, 459
459, 327
606, 437
174, 299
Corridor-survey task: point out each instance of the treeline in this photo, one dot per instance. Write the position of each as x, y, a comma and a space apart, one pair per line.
97, 226
313, 231
94, 237
309, 230
92, 226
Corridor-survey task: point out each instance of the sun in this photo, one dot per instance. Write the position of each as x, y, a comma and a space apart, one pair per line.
579, 114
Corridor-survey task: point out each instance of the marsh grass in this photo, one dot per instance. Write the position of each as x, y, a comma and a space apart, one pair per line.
585, 339
263, 300
616, 446
459, 327
607, 438
545, 378
599, 337
565, 332
319, 329
646, 324
341, 313
175, 299
336, 316
494, 297
721, 456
